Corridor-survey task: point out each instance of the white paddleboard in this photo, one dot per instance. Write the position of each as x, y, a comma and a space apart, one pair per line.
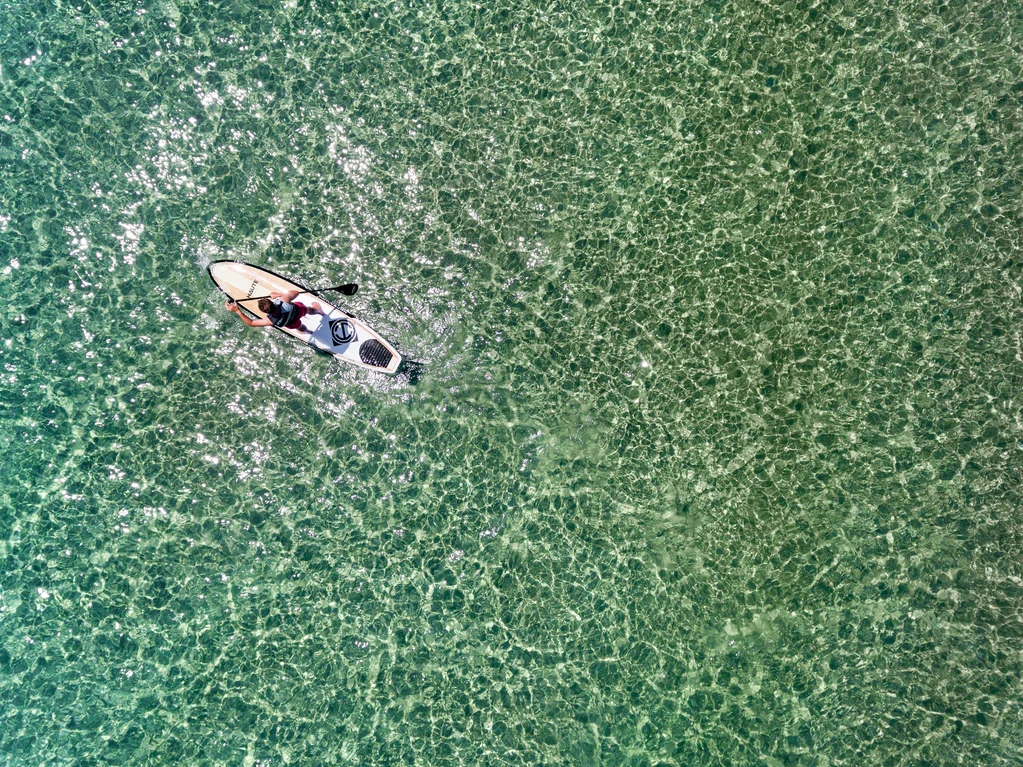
335, 331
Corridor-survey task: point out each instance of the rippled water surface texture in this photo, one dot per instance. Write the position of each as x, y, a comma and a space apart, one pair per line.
712, 450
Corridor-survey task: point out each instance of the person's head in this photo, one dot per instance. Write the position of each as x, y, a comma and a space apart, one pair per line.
266, 305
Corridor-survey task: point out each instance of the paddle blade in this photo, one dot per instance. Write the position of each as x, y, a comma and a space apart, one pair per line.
348, 290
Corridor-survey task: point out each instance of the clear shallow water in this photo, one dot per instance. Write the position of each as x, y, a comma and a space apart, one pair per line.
715, 454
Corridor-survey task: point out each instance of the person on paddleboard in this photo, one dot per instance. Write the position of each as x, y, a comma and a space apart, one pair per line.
281, 310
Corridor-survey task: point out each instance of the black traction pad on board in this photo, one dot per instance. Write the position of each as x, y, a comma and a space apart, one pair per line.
374, 353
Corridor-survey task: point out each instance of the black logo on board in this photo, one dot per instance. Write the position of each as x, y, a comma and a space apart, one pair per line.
342, 331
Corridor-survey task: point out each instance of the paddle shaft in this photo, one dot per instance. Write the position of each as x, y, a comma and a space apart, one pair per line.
348, 290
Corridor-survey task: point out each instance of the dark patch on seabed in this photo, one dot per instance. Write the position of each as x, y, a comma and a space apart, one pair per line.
713, 451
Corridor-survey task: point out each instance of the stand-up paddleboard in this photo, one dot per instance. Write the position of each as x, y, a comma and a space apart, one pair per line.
335, 331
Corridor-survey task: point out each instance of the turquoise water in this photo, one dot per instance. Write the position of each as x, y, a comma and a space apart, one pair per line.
714, 455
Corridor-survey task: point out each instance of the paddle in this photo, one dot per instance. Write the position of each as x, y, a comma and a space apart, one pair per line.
347, 290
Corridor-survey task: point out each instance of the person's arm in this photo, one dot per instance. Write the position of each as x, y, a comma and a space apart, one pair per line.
231, 306
287, 296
